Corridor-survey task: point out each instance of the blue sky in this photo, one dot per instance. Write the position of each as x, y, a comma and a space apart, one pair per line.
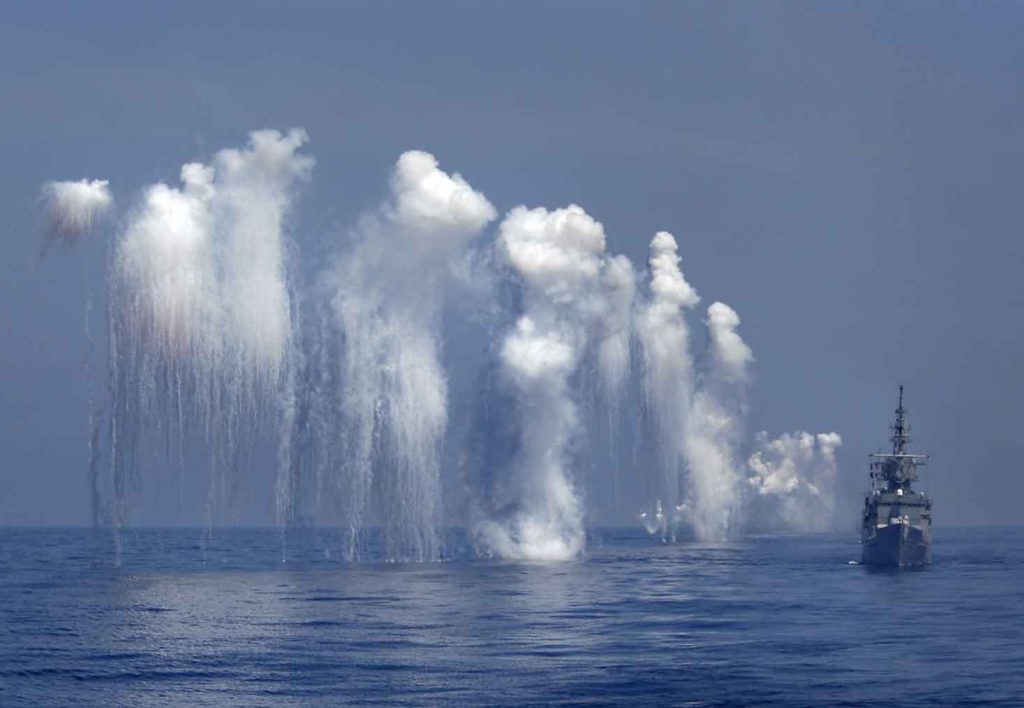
846, 176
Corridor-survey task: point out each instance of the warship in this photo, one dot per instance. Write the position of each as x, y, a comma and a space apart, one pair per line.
897, 523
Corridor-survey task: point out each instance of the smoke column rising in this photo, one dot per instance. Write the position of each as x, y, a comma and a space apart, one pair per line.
386, 296
205, 345
559, 260
614, 341
200, 313
667, 374
714, 430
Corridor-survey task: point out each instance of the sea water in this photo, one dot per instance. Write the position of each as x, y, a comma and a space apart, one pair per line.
185, 617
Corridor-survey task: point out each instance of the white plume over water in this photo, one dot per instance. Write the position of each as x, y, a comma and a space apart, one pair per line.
386, 296
253, 193
695, 422
668, 376
207, 346
714, 430
165, 273
731, 356
72, 207
614, 346
793, 478
200, 314
570, 289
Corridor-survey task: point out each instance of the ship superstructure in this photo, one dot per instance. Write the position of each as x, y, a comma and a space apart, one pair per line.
897, 522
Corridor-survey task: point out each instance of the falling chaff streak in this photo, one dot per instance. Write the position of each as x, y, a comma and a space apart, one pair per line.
614, 351
664, 339
714, 430
73, 207
206, 345
386, 296
200, 325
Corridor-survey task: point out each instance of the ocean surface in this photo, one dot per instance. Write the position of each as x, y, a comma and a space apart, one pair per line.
771, 621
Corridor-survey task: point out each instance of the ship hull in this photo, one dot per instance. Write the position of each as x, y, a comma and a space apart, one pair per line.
898, 546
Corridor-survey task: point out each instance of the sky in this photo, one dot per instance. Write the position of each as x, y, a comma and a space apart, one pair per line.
845, 175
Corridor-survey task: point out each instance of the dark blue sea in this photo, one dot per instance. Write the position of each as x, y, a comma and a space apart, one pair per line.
771, 621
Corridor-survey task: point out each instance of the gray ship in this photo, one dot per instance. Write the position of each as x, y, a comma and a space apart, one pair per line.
897, 523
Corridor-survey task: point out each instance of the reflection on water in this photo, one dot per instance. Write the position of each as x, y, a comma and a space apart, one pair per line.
772, 621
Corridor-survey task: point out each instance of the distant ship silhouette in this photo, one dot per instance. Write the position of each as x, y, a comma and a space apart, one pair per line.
896, 528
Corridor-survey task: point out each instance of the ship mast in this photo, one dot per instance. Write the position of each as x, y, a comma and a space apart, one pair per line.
898, 469
900, 429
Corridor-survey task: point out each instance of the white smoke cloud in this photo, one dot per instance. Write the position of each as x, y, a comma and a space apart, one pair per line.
730, 354
73, 207
558, 257
166, 275
667, 370
614, 340
793, 478
386, 297
200, 305
714, 430
204, 331
254, 190
204, 263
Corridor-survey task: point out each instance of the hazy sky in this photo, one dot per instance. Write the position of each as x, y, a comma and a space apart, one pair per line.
846, 176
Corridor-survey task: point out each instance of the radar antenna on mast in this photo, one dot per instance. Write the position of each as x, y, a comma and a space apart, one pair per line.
897, 469
900, 429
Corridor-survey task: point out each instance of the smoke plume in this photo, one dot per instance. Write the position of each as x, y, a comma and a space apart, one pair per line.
615, 338
200, 315
714, 430
206, 346
559, 260
667, 377
73, 207
386, 296
793, 478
